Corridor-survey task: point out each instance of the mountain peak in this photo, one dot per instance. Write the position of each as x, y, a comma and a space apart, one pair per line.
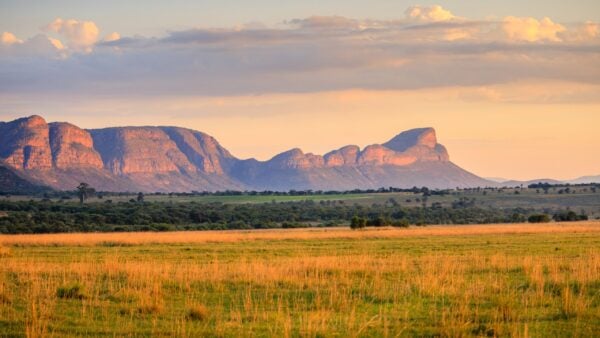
413, 137
31, 121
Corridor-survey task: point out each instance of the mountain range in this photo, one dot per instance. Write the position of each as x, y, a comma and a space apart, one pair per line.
60, 155
500, 182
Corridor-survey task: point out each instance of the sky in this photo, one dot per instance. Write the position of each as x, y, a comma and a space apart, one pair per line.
511, 87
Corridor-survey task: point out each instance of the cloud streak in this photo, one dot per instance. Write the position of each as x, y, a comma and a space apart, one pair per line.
429, 47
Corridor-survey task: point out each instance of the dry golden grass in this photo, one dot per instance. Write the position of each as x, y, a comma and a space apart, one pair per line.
498, 280
232, 236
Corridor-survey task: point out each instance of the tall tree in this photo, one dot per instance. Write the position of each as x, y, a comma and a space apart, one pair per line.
84, 191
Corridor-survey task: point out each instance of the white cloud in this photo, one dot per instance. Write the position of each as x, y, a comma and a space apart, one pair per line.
80, 35
434, 13
9, 38
531, 29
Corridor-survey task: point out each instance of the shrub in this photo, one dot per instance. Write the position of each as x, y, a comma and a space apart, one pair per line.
378, 221
330, 224
291, 225
517, 218
358, 223
73, 291
162, 227
541, 218
197, 312
402, 223
238, 225
569, 216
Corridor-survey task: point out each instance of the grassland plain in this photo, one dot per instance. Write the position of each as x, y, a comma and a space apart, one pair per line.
581, 198
478, 280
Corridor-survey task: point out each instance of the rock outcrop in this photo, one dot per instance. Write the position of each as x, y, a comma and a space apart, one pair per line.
24, 143
412, 158
132, 150
344, 156
201, 150
72, 147
420, 143
177, 159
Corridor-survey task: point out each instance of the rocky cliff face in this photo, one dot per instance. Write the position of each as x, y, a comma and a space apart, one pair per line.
178, 159
344, 156
133, 150
417, 145
201, 150
72, 147
24, 143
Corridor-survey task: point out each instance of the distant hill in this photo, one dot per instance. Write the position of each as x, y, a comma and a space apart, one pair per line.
581, 180
586, 179
151, 159
515, 183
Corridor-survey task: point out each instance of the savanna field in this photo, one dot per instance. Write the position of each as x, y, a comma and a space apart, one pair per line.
300, 169
473, 280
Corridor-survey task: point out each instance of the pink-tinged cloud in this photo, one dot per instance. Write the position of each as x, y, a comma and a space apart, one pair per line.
80, 35
114, 36
586, 32
8, 38
15, 53
429, 14
531, 29
56, 43
430, 47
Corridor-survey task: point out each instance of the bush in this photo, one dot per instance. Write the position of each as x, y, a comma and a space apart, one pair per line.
402, 223
569, 216
358, 223
517, 218
238, 225
162, 227
292, 225
73, 291
378, 221
197, 312
541, 218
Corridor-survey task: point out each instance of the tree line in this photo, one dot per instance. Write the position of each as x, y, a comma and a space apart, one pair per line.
138, 215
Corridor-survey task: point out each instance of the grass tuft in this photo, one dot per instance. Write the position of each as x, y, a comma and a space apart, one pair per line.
197, 312
72, 291
149, 309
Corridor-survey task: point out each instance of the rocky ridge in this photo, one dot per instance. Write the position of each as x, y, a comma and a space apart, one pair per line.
60, 154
